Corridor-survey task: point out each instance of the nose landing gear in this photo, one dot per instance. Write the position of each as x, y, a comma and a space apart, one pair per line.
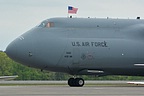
76, 82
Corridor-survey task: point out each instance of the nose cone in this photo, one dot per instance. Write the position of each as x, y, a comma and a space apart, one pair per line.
11, 50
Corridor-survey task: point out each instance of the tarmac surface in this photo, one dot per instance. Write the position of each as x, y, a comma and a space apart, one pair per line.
65, 90
60, 82
69, 91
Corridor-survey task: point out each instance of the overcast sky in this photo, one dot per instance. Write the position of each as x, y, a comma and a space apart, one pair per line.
18, 16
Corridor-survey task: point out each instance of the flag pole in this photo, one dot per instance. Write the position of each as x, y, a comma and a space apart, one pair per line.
68, 11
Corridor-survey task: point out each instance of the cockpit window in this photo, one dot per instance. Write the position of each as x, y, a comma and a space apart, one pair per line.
47, 25
43, 24
50, 24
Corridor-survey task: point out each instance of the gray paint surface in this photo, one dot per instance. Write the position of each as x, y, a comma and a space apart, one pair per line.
83, 46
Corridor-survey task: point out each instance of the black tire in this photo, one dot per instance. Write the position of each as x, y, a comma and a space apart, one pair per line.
71, 82
79, 82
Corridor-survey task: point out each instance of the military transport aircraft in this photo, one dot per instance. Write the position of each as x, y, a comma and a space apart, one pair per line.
83, 46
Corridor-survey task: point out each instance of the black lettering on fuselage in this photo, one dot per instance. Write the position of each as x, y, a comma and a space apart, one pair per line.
73, 44
76, 44
90, 44
100, 44
85, 44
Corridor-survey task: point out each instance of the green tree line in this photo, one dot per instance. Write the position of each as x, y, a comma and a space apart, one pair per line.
9, 67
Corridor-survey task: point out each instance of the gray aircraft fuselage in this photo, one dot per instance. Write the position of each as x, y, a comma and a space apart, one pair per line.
83, 46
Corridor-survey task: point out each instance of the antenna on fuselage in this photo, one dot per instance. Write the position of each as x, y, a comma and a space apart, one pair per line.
138, 17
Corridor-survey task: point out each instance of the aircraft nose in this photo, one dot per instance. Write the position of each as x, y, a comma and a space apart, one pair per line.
11, 50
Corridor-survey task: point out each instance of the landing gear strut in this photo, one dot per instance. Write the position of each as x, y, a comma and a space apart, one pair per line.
76, 82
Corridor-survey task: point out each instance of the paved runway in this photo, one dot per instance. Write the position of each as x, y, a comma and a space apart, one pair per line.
61, 82
64, 90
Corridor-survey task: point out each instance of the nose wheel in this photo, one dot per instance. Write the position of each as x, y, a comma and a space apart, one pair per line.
76, 82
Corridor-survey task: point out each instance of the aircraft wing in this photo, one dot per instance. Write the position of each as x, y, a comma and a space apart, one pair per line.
8, 77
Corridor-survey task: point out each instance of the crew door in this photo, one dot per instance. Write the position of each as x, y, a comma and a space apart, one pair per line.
76, 56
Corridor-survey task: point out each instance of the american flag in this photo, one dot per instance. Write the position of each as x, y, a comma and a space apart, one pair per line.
72, 10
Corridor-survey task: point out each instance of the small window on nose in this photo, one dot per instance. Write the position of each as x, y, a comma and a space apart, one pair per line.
50, 24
